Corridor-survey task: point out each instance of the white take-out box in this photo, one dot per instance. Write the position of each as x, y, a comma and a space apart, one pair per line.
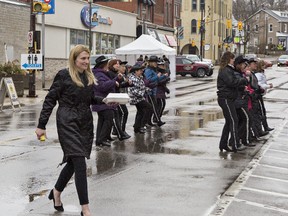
121, 98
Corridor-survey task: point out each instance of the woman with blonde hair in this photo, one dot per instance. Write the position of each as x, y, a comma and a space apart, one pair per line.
72, 88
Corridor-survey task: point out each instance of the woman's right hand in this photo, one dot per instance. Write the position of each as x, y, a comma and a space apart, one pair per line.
40, 132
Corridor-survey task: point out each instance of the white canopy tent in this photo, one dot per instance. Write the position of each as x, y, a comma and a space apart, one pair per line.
147, 45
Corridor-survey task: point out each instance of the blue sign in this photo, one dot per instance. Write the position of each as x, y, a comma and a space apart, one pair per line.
85, 16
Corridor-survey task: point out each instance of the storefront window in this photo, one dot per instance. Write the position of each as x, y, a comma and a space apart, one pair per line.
117, 42
79, 37
104, 44
98, 43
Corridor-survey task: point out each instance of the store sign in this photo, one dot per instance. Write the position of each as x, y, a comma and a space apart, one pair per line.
96, 19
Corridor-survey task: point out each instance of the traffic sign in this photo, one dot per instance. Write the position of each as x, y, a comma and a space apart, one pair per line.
30, 38
31, 61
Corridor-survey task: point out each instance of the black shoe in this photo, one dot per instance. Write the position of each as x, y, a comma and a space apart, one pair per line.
110, 139
114, 133
57, 208
160, 123
126, 134
140, 130
124, 137
249, 144
104, 143
263, 133
150, 124
227, 149
241, 148
269, 129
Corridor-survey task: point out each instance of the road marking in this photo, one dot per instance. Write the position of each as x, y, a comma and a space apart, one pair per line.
262, 205
273, 157
270, 178
229, 195
265, 192
276, 150
274, 167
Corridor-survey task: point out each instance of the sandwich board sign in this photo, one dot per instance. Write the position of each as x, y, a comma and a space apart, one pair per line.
7, 86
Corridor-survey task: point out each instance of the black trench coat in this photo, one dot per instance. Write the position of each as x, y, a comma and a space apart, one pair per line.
74, 116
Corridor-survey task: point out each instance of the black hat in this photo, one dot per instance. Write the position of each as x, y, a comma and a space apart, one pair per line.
123, 62
101, 59
153, 59
136, 67
161, 62
240, 59
252, 60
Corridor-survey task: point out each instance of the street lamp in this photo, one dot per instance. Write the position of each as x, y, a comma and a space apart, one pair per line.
90, 24
143, 20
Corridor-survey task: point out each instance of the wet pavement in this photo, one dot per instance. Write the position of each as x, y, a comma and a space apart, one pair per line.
173, 170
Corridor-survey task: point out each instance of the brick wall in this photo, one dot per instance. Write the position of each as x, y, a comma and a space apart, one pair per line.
14, 26
52, 66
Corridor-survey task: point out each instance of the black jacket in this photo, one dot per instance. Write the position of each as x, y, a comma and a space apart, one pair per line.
243, 95
74, 116
228, 83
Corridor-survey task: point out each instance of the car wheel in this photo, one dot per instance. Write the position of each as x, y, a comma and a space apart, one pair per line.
183, 74
210, 73
194, 74
201, 73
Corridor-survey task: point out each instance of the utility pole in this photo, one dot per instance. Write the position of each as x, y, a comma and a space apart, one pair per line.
90, 25
202, 31
32, 88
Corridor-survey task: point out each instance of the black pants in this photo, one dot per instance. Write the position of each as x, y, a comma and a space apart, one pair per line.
117, 125
244, 124
141, 117
75, 165
262, 110
104, 125
154, 113
256, 118
123, 116
231, 124
161, 103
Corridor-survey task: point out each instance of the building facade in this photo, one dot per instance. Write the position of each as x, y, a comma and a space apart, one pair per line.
214, 15
158, 19
267, 30
64, 29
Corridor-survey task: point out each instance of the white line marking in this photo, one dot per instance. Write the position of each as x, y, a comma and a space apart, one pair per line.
265, 192
270, 178
276, 150
274, 167
262, 206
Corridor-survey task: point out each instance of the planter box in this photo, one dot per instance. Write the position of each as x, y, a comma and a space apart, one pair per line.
18, 80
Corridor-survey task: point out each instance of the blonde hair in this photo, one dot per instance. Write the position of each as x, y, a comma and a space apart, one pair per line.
73, 71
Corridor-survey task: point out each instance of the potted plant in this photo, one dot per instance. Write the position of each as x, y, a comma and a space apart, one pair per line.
13, 69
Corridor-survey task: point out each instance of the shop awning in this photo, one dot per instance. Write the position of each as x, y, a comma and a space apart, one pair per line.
163, 39
171, 40
149, 2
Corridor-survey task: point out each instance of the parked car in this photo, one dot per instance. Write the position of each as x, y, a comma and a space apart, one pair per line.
195, 58
282, 60
195, 69
250, 55
94, 57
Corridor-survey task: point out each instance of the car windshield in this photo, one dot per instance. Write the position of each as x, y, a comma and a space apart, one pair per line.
186, 61
283, 57
193, 58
